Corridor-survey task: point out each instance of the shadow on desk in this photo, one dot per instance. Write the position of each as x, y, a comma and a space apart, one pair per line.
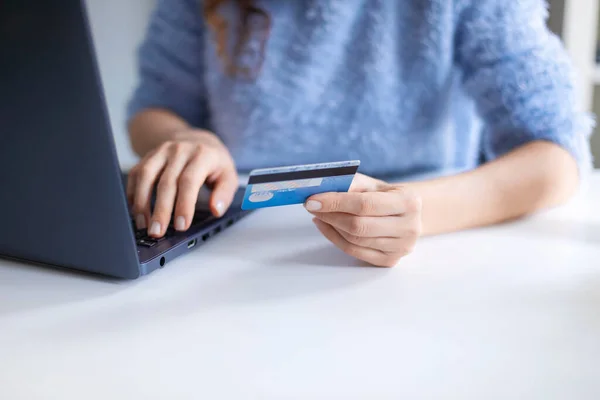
29, 286
270, 264
297, 274
185, 290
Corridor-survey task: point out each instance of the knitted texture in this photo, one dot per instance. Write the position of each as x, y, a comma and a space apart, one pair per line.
407, 87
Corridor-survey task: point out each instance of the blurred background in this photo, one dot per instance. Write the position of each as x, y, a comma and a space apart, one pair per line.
118, 27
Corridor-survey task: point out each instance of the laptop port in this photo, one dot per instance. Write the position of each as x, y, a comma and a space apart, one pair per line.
217, 229
230, 222
205, 237
162, 261
191, 243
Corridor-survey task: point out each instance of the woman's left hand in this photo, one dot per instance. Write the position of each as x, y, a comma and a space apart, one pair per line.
376, 222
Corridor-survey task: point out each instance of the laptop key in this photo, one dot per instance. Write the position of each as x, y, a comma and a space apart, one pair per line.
147, 243
153, 239
202, 216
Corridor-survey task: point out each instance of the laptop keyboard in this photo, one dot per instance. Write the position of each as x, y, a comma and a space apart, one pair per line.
142, 238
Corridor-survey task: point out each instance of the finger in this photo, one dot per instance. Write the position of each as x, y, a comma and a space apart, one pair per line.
130, 190
383, 203
140, 219
166, 192
370, 256
364, 226
190, 181
223, 192
388, 245
147, 175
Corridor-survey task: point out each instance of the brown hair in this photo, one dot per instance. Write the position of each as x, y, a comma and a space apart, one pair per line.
253, 21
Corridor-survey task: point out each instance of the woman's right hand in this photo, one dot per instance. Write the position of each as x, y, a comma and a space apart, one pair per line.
179, 168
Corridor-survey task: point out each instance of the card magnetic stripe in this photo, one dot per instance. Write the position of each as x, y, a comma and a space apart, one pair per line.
296, 175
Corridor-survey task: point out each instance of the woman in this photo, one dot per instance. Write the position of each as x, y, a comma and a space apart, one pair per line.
476, 92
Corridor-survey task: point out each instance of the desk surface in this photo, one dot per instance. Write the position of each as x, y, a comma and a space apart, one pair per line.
271, 311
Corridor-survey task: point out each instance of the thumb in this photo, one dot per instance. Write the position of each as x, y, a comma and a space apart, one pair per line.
364, 183
224, 189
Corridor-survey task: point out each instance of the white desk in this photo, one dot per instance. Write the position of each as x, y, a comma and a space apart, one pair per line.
271, 311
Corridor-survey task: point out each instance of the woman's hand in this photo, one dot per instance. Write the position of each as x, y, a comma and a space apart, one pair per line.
179, 168
376, 222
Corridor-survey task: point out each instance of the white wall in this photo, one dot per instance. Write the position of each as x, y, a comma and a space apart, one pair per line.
118, 26
576, 22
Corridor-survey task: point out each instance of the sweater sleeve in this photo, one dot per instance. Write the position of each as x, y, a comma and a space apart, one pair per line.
170, 62
521, 79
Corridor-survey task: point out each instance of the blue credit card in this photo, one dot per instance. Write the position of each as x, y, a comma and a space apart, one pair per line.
272, 187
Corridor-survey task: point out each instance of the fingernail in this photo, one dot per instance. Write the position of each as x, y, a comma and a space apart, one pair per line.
140, 221
220, 206
180, 223
313, 205
155, 228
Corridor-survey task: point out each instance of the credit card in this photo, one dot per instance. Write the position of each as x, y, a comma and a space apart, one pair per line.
273, 187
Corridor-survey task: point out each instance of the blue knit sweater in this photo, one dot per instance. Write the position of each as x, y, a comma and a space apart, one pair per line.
407, 87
